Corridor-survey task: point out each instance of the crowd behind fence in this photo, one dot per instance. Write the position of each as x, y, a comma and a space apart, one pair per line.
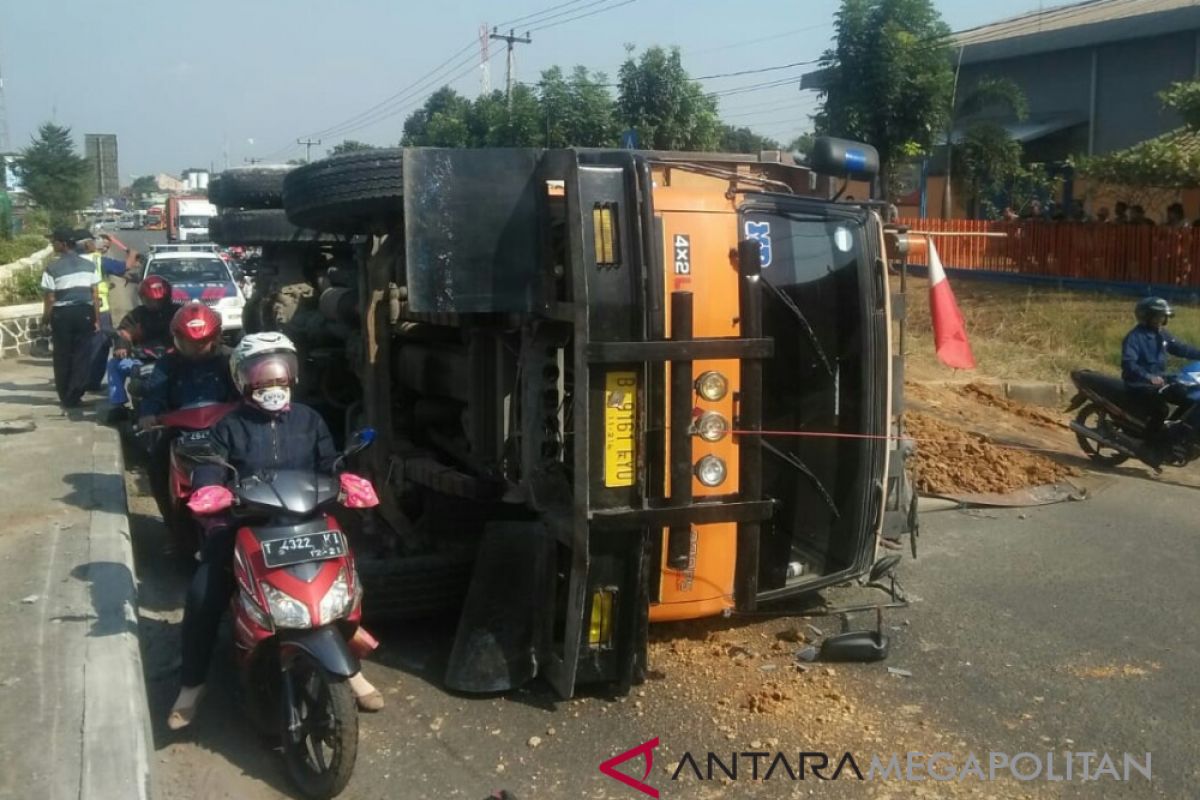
1145, 254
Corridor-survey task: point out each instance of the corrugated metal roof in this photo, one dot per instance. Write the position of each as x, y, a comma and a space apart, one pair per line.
1064, 17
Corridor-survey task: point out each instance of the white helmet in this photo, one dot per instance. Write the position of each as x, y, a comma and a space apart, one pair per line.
262, 361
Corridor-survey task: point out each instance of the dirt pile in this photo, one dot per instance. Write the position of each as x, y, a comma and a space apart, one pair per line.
987, 396
952, 461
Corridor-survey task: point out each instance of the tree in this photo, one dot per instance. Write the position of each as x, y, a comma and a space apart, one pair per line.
744, 140
577, 111
987, 160
668, 110
53, 173
1171, 160
888, 79
440, 122
350, 146
142, 186
801, 144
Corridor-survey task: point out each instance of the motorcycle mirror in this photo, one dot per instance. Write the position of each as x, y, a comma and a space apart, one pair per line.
361, 440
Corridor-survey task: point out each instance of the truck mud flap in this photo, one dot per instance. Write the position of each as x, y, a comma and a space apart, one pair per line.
495, 647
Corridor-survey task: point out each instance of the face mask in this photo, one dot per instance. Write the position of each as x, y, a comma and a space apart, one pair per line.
272, 399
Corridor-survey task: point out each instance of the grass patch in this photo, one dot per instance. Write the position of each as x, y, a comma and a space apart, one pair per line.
23, 286
20, 246
1032, 333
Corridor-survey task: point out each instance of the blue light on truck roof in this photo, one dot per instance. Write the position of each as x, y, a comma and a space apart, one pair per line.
856, 161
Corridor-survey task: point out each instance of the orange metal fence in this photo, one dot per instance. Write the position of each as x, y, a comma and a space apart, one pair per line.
1088, 251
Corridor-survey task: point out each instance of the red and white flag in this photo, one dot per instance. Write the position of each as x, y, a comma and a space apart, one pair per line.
949, 330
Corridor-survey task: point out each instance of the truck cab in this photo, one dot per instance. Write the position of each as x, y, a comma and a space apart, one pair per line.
624, 386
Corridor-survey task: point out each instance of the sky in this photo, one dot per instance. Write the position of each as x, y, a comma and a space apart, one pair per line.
218, 82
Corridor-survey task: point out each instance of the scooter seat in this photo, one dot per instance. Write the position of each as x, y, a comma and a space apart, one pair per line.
1107, 386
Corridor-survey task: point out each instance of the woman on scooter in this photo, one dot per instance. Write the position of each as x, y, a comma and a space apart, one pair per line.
267, 432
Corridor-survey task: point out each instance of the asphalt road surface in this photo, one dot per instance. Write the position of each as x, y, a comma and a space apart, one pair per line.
1062, 628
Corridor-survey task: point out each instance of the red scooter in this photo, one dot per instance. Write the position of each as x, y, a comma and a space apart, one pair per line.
189, 426
296, 617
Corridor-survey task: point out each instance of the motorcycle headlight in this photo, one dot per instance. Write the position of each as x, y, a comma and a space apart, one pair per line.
251, 607
338, 601
711, 427
287, 611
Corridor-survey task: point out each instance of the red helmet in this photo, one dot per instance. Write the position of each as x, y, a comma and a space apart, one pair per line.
195, 328
155, 289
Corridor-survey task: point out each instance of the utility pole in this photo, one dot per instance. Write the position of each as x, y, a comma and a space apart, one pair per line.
5, 143
308, 146
510, 38
252, 160
485, 71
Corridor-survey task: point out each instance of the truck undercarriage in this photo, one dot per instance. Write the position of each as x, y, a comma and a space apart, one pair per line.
611, 388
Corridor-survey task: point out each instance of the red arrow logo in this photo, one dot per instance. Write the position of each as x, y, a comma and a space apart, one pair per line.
645, 749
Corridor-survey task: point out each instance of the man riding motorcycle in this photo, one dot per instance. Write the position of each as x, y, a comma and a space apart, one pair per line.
197, 371
267, 432
149, 326
1143, 369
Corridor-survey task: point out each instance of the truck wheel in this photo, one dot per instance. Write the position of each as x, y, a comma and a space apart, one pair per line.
249, 187
412, 587
261, 227
351, 193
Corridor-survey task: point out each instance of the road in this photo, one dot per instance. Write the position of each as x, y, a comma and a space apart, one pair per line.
1064, 628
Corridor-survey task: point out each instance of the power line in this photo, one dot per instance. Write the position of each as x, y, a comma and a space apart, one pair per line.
584, 16
509, 39
308, 146
519, 20
732, 45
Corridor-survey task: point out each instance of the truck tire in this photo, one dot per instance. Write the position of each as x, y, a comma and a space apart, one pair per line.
352, 193
413, 587
249, 187
261, 227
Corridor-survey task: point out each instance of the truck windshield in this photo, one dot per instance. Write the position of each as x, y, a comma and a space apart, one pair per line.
813, 307
191, 270
193, 221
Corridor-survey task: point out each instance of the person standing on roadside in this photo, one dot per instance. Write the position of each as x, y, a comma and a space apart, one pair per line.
71, 309
95, 249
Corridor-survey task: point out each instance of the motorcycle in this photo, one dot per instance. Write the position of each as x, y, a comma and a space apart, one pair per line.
1110, 423
296, 611
190, 446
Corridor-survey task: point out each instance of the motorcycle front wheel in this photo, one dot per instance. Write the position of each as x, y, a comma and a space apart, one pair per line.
1096, 418
320, 729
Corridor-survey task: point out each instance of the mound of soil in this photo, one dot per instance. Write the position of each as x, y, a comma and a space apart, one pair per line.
951, 461
985, 395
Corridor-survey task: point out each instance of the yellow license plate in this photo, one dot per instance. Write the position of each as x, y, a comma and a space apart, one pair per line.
620, 410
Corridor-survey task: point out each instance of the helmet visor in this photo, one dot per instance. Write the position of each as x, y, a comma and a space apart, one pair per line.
272, 369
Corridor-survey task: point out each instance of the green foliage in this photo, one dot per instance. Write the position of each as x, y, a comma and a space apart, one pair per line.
668, 110
744, 140
889, 78
142, 186
1184, 99
578, 111
53, 174
994, 94
20, 246
1169, 161
987, 162
801, 144
350, 146
23, 286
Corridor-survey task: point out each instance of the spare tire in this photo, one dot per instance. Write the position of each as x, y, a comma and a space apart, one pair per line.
261, 227
352, 193
249, 187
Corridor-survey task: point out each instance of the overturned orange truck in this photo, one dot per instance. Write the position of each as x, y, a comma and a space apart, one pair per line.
611, 388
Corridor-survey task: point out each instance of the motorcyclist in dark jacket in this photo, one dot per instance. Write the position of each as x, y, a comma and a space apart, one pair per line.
267, 432
1144, 362
148, 326
196, 372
